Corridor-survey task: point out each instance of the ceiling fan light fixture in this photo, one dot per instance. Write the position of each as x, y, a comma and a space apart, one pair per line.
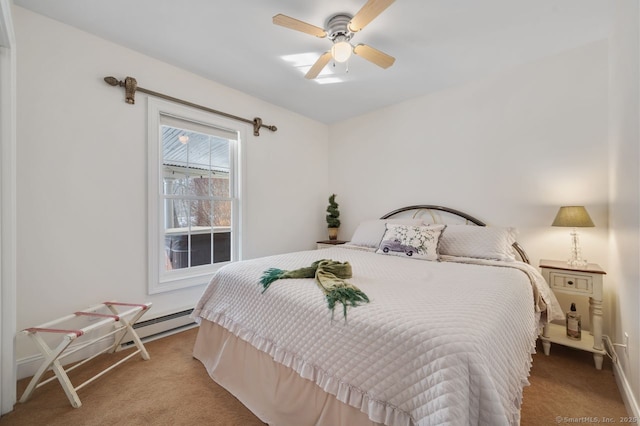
341, 51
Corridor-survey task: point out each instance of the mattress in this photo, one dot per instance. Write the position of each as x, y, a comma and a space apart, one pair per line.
446, 342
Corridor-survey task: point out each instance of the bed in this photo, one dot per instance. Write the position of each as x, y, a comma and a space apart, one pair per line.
446, 337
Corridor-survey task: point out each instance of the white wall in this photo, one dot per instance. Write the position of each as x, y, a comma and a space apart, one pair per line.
509, 150
624, 247
82, 179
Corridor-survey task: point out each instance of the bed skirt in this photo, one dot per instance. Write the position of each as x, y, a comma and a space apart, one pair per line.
276, 394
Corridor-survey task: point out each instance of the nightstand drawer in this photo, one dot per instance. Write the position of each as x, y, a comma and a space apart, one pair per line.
574, 283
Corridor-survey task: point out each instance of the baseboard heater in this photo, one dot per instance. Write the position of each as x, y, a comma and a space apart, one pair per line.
156, 328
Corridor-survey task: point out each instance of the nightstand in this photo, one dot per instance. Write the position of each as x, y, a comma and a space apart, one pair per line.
329, 243
583, 281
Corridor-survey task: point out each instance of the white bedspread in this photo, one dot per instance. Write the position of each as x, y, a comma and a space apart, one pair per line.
439, 343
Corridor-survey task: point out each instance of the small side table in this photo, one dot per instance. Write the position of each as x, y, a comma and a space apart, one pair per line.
580, 281
329, 243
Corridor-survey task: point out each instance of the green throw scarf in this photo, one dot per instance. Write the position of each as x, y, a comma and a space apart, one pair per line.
330, 276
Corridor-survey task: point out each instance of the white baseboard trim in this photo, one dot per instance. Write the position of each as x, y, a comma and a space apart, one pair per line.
629, 399
164, 334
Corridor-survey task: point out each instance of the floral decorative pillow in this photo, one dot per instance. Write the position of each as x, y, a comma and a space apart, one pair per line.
416, 242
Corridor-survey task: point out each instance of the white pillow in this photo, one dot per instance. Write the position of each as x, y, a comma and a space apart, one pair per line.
369, 233
482, 242
416, 242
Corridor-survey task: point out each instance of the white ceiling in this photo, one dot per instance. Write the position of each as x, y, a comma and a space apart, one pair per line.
436, 43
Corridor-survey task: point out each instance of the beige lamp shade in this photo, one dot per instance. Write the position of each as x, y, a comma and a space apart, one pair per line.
573, 216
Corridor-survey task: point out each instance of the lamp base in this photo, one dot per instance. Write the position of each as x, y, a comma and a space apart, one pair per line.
576, 259
574, 263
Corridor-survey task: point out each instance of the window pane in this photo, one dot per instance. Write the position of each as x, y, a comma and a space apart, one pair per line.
176, 250
222, 245
201, 186
221, 231
220, 185
201, 215
200, 249
220, 160
222, 214
197, 164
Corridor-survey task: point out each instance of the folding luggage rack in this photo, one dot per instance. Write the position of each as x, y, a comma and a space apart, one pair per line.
122, 325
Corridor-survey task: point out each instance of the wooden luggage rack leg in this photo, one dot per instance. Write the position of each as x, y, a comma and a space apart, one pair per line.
52, 356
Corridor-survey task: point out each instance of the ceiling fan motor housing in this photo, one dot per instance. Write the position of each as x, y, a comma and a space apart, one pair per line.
337, 27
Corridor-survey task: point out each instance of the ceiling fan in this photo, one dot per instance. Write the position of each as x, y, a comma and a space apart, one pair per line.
340, 28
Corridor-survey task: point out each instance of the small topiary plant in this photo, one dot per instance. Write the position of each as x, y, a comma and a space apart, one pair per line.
333, 213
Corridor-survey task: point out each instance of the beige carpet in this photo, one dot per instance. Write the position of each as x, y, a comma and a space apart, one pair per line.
173, 389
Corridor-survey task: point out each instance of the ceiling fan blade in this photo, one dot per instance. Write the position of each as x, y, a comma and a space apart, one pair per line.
318, 66
368, 13
295, 24
379, 58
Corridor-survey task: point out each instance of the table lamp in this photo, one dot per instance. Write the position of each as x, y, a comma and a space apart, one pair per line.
574, 217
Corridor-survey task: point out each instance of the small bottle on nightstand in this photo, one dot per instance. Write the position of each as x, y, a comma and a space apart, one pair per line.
574, 324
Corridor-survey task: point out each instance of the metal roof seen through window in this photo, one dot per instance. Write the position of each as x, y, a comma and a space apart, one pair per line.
198, 151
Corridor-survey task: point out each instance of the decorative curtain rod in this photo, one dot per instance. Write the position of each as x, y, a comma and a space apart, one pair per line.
131, 86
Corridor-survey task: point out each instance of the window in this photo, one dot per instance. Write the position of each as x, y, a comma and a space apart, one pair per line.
194, 203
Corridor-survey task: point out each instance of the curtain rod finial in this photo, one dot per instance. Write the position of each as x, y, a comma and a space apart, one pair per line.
257, 123
112, 81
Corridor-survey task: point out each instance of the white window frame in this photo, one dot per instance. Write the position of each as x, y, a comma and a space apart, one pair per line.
159, 280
